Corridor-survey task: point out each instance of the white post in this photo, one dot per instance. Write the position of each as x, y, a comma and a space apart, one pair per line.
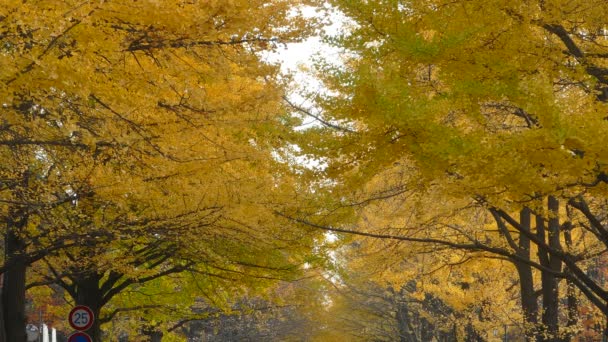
45, 333
54, 335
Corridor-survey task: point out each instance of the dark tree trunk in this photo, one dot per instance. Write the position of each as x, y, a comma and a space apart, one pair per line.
151, 331
89, 294
570, 288
13, 285
404, 324
572, 301
2, 327
526, 281
472, 335
554, 262
403, 316
156, 336
550, 316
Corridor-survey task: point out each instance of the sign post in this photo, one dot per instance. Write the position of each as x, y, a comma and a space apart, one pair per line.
81, 318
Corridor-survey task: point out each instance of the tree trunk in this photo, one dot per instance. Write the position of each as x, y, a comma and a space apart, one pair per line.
156, 336
472, 335
89, 294
2, 326
550, 316
529, 304
570, 288
13, 285
406, 334
402, 315
572, 309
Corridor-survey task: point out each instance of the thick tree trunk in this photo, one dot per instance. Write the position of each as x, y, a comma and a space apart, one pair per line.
526, 281
550, 316
2, 326
13, 285
89, 294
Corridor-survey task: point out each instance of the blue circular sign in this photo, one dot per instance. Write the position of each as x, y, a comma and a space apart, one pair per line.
79, 337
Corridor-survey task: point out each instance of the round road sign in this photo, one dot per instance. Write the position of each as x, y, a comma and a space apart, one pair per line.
81, 318
79, 337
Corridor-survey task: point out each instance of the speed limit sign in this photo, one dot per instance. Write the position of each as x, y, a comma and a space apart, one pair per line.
81, 317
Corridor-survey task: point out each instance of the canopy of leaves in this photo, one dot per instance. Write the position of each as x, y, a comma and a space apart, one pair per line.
502, 99
137, 138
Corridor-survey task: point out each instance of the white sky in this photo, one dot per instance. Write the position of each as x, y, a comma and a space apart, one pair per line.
297, 59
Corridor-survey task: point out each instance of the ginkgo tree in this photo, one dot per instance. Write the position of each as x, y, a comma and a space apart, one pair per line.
122, 115
499, 105
410, 268
219, 247
442, 295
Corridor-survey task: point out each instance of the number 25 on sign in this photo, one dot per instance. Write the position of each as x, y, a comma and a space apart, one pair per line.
81, 317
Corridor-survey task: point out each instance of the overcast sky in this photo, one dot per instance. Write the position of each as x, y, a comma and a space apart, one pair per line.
297, 58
